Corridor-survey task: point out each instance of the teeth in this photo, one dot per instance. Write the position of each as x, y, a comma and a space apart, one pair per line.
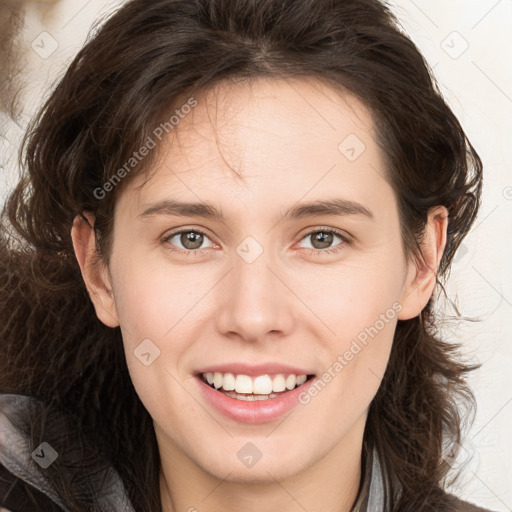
228, 383
279, 383
261, 385
301, 379
250, 398
291, 381
243, 384
217, 380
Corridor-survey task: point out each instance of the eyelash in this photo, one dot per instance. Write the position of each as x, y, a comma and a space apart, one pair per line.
316, 252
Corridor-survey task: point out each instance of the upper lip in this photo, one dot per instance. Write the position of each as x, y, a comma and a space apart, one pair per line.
254, 370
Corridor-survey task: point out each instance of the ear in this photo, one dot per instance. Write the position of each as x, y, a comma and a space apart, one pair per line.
421, 276
94, 272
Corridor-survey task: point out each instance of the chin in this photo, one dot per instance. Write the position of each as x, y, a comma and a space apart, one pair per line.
235, 465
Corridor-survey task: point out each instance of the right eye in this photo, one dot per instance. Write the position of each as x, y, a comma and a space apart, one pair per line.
190, 240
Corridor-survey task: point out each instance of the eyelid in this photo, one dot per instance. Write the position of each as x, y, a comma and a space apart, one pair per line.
329, 229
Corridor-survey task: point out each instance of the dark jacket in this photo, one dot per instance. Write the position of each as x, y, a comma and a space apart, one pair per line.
18, 496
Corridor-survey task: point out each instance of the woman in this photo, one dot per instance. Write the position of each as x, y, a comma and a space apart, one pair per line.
220, 268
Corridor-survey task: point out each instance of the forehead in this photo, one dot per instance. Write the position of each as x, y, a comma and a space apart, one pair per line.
265, 137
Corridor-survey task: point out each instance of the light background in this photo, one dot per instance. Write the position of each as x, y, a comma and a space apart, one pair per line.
468, 43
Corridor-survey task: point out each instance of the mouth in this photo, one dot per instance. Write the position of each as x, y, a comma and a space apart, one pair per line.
254, 388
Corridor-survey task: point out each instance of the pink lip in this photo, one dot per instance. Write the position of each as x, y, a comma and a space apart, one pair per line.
255, 370
260, 411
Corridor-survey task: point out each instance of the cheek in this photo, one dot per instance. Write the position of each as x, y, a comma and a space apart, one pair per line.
148, 308
154, 345
352, 376
363, 357
150, 299
348, 299
358, 309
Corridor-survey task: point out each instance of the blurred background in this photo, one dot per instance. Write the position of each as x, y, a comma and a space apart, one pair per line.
467, 43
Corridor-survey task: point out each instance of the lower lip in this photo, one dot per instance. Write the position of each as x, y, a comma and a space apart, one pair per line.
257, 411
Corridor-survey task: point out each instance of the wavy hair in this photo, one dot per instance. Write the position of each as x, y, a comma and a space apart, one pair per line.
126, 80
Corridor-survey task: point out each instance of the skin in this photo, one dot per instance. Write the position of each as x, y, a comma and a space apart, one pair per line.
289, 305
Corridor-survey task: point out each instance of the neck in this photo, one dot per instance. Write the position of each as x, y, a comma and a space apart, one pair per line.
331, 485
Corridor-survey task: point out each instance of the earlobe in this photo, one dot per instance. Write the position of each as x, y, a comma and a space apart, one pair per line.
421, 276
94, 273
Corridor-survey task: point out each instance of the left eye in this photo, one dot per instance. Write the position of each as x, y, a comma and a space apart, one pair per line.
323, 238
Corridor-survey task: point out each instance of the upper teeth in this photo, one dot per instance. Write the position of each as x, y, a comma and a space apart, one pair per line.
261, 385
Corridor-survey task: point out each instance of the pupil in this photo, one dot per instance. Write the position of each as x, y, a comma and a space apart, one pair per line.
325, 239
195, 239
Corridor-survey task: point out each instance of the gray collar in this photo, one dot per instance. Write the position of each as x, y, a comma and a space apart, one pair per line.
371, 496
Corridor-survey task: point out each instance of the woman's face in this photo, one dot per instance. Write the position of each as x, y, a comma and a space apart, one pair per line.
264, 288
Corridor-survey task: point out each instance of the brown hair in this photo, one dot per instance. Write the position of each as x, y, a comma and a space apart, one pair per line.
126, 80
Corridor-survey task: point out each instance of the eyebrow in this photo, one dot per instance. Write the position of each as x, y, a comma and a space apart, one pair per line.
172, 207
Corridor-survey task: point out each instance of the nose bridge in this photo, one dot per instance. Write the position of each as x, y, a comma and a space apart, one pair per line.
254, 300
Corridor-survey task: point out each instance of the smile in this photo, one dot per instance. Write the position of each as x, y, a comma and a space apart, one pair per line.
256, 398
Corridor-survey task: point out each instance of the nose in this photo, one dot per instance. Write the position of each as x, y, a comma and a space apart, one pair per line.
255, 301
